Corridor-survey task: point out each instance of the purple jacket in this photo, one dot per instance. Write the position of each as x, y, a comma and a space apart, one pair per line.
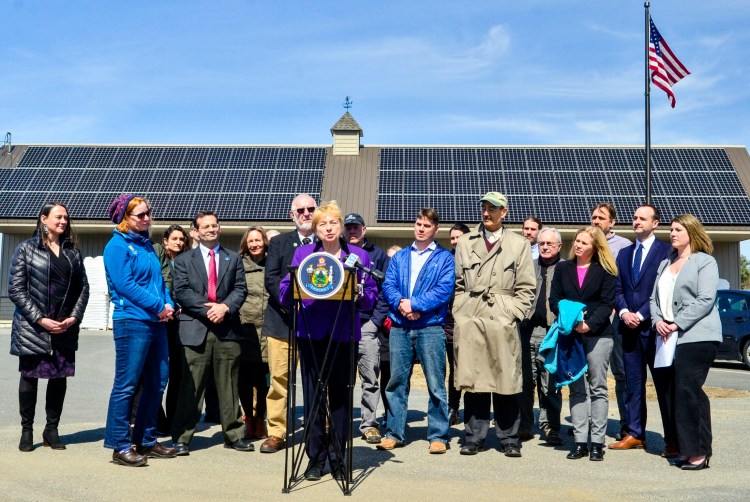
321, 314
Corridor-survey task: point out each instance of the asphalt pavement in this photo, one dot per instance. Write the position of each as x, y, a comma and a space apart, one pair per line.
84, 471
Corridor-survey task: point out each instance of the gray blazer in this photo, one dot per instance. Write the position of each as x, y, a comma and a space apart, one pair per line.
694, 299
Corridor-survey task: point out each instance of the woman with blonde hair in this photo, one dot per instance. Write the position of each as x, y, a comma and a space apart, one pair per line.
589, 277
683, 305
315, 339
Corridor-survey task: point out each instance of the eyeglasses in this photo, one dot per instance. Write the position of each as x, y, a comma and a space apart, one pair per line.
301, 210
143, 215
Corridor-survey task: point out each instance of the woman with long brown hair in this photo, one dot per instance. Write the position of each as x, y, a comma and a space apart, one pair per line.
48, 285
683, 312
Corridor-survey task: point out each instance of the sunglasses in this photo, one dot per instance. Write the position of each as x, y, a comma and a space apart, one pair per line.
143, 215
301, 210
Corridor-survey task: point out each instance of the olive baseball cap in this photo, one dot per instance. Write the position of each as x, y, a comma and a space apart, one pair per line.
495, 198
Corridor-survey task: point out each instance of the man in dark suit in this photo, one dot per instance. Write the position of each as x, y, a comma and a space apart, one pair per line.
637, 266
277, 320
210, 287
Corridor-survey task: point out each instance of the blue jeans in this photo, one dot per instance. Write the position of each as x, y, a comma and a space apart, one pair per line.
428, 344
140, 348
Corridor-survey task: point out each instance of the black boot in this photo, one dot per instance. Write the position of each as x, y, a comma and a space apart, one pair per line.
27, 408
56, 388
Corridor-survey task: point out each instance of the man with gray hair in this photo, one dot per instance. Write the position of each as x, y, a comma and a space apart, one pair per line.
533, 330
277, 318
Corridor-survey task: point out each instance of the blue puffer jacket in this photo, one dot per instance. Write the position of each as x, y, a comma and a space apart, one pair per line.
432, 291
134, 277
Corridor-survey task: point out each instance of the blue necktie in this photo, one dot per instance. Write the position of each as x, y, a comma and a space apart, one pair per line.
637, 262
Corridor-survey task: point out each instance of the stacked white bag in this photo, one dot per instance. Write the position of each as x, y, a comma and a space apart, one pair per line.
98, 310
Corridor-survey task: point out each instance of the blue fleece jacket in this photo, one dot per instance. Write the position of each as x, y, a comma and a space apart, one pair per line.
564, 355
432, 291
134, 277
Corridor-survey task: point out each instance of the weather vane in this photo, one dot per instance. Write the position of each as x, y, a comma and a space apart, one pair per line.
348, 103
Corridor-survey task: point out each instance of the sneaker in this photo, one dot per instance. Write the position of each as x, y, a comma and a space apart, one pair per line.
388, 444
438, 447
372, 436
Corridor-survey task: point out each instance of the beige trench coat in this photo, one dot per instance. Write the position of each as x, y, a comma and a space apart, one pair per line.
494, 291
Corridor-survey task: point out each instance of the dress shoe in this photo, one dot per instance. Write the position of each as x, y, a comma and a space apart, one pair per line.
241, 445
580, 451
27, 440
129, 458
438, 447
471, 449
553, 438
181, 449
52, 440
272, 445
158, 450
670, 452
687, 466
512, 451
388, 444
314, 471
597, 452
452, 417
628, 443
337, 471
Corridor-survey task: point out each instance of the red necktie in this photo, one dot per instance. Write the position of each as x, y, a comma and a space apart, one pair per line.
211, 276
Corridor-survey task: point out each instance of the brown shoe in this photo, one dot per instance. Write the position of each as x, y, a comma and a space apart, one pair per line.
388, 444
156, 451
272, 445
129, 458
628, 443
670, 452
437, 447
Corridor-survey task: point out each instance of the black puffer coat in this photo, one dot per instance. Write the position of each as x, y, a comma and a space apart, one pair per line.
28, 289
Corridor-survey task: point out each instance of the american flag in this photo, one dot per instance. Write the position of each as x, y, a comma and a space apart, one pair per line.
666, 69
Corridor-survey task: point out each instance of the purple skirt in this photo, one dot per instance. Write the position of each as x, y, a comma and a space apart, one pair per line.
57, 365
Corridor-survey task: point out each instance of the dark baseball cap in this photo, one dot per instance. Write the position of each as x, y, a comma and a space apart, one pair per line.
354, 219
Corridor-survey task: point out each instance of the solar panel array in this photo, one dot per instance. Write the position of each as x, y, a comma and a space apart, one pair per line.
238, 183
559, 185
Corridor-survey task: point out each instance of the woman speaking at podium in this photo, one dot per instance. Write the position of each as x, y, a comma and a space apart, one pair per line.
316, 320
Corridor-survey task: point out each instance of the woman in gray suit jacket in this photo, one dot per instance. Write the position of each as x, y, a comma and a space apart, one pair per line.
683, 305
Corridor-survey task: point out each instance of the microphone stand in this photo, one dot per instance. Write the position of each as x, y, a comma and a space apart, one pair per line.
292, 465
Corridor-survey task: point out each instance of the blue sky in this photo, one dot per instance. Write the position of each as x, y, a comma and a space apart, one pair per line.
537, 72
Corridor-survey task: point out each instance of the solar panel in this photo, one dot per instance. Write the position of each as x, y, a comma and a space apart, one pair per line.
560, 185
177, 180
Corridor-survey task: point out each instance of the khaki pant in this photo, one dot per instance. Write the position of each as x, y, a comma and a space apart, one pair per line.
278, 366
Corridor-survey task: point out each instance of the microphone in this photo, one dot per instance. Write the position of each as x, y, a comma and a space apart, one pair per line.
352, 261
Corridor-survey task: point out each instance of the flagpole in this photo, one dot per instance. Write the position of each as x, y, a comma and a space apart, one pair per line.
648, 108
